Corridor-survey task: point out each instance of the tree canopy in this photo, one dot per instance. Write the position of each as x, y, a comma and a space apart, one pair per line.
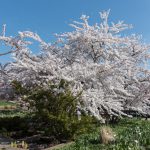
110, 69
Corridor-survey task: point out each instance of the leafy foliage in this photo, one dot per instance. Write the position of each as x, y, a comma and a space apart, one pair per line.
55, 108
56, 99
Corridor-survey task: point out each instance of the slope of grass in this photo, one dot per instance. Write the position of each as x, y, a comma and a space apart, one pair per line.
131, 134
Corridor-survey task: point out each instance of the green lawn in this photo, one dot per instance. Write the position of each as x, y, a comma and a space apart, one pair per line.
132, 134
6, 103
9, 109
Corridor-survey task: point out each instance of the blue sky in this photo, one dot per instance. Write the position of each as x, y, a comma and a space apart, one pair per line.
47, 17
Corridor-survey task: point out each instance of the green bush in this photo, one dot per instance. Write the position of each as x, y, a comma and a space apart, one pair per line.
56, 109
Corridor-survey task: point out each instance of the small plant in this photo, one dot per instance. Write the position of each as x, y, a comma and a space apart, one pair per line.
14, 144
23, 145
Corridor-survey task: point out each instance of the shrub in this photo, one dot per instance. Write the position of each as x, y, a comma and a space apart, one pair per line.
56, 109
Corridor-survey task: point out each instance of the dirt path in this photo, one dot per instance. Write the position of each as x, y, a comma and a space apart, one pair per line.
59, 146
4, 142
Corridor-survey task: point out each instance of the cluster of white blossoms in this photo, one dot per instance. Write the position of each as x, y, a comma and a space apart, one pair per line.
110, 69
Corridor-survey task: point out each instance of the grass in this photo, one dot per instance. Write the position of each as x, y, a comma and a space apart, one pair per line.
11, 113
6, 103
9, 109
132, 134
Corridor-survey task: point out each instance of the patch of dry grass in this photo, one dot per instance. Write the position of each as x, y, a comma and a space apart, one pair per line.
107, 135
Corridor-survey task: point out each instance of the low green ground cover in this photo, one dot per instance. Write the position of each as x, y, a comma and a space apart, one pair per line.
9, 109
6, 103
131, 134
